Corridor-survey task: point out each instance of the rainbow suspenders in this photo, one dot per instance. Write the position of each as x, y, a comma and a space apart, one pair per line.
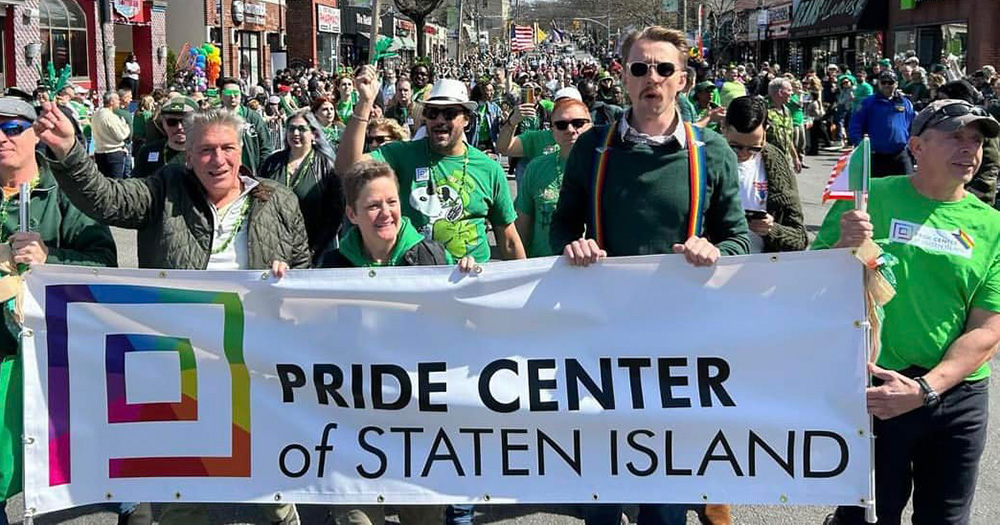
697, 179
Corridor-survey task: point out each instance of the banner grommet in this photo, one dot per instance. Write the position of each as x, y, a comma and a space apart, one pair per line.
108, 496
371, 273
277, 496
783, 498
595, 497
486, 497
177, 495
380, 498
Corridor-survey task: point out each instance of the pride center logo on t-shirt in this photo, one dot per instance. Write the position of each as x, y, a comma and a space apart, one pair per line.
955, 242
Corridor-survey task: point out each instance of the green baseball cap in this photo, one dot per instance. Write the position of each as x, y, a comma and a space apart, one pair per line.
704, 86
180, 106
603, 75
885, 62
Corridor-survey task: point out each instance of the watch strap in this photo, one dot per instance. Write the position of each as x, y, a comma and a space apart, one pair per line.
930, 396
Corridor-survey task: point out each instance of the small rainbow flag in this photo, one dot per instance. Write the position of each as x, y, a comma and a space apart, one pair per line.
964, 239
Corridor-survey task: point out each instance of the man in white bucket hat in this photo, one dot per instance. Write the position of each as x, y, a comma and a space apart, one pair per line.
449, 189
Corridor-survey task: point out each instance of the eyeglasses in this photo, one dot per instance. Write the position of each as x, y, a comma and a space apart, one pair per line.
448, 113
641, 69
737, 148
13, 128
887, 82
577, 123
230, 92
955, 109
378, 139
173, 122
301, 128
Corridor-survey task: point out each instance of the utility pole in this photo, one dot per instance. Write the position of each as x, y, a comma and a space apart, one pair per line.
458, 42
376, 11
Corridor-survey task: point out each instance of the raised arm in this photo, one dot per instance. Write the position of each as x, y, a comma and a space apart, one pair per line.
352, 141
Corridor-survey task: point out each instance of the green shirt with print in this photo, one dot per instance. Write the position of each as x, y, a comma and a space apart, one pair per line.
536, 143
537, 197
949, 263
463, 198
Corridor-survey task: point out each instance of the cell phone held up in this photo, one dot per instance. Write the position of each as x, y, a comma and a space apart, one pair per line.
755, 214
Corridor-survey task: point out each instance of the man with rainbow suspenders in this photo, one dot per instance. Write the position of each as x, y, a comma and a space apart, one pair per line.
651, 184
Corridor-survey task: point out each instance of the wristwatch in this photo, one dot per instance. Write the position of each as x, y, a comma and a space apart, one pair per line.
931, 398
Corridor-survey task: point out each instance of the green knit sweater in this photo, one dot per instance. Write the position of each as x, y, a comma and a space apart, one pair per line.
646, 197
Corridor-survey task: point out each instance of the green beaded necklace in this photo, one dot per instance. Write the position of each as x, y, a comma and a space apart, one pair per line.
236, 228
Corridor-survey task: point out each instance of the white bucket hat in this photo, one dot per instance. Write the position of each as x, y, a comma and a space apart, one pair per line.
450, 92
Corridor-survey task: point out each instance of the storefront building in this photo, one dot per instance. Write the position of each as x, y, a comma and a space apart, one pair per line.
250, 33
937, 29
317, 28
849, 33
356, 25
89, 36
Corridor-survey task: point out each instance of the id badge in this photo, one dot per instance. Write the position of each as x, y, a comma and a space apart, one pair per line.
423, 174
154, 156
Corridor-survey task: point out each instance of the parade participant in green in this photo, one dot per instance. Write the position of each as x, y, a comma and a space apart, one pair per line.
780, 127
156, 154
206, 216
531, 144
450, 190
345, 97
539, 192
305, 165
708, 113
326, 114
59, 234
147, 106
931, 393
255, 136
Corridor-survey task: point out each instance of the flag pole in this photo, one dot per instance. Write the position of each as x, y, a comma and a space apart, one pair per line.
861, 204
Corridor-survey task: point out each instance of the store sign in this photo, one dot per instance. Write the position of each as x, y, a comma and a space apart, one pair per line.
362, 19
256, 14
127, 8
813, 16
404, 25
780, 15
327, 19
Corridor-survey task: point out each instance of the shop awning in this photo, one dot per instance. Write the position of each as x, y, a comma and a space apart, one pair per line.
831, 17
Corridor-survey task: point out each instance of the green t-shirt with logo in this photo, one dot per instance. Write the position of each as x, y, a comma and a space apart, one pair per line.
537, 197
462, 200
949, 263
536, 143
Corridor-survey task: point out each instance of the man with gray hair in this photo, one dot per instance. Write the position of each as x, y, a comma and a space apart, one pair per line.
110, 132
780, 128
206, 215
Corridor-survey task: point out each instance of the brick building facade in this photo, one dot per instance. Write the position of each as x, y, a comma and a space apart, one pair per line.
956, 27
250, 32
75, 32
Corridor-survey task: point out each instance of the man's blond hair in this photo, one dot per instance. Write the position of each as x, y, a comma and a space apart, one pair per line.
656, 34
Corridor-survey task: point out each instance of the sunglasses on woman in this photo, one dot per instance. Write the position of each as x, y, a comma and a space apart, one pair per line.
641, 69
301, 128
13, 128
378, 139
448, 113
577, 123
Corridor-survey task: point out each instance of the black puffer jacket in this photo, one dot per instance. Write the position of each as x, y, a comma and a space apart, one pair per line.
174, 219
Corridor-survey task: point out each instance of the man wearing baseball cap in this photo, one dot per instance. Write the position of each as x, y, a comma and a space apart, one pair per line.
58, 234
156, 154
885, 117
942, 327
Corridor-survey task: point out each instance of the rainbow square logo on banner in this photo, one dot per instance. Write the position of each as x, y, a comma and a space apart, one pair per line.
58, 298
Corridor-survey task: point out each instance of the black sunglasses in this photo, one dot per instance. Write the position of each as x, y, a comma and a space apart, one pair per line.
887, 82
740, 147
301, 128
13, 128
378, 139
173, 122
641, 69
955, 109
577, 123
449, 113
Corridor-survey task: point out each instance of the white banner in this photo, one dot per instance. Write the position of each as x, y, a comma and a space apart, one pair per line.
635, 380
327, 19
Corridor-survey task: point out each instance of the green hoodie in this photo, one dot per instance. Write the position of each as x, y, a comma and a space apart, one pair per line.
353, 249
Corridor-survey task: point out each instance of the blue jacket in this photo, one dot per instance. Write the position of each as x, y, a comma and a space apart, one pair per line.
494, 115
886, 121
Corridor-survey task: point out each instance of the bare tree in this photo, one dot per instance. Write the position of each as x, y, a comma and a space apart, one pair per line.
723, 25
418, 11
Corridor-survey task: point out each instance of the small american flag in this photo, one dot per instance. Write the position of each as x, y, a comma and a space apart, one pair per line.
522, 38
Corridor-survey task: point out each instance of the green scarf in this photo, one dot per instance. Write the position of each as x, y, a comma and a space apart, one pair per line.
352, 246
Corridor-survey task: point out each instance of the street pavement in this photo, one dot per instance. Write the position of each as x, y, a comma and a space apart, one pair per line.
811, 181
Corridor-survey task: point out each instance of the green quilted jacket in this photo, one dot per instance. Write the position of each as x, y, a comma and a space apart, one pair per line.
173, 218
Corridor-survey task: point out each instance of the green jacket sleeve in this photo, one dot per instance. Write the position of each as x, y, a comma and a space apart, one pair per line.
789, 231
82, 241
298, 240
125, 203
569, 221
725, 220
829, 231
